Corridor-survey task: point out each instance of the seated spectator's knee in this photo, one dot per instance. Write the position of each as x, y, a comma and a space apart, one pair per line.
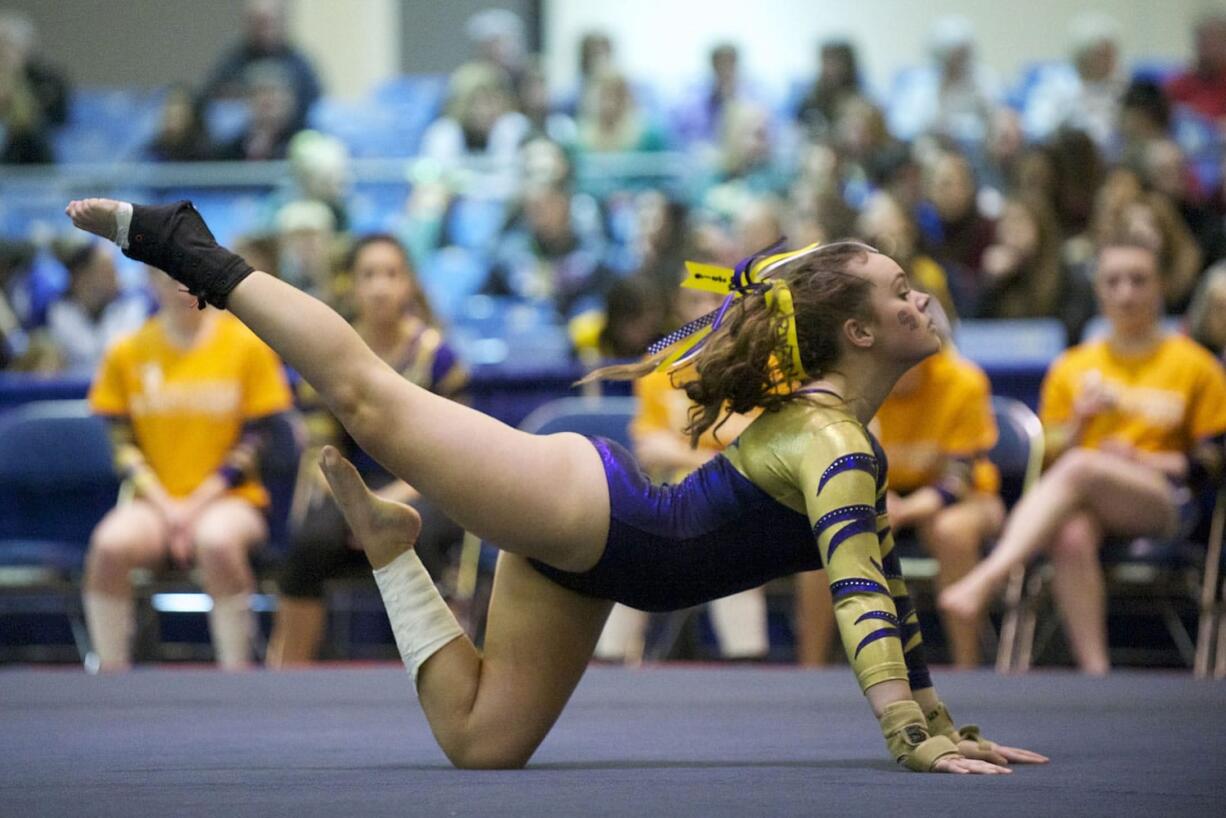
954, 534
1078, 468
110, 555
1077, 541
218, 550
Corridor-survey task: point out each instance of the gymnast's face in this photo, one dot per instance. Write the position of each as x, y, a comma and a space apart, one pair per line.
900, 329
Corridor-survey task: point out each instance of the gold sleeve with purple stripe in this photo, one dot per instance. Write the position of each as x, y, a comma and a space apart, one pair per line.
841, 499
909, 627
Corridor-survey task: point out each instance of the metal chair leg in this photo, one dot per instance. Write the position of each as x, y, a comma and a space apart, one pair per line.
1006, 651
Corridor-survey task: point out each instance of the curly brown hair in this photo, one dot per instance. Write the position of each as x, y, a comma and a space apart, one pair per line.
745, 364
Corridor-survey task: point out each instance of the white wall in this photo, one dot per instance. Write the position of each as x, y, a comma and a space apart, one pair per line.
666, 41
354, 45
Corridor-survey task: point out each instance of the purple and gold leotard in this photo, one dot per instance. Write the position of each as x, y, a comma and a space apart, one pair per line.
802, 488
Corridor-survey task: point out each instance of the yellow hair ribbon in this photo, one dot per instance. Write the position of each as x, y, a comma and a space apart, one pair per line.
779, 298
751, 275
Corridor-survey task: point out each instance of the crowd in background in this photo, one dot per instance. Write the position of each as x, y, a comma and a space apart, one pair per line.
993, 199
998, 201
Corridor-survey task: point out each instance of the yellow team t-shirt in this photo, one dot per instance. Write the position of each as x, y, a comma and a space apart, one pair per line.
663, 407
948, 416
187, 406
1164, 401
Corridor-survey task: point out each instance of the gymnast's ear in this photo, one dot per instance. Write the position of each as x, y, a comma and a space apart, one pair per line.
858, 333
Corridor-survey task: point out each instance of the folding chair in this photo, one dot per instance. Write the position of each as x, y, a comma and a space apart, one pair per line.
56, 483
1018, 456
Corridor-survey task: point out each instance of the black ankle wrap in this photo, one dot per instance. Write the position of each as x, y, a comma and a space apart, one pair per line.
173, 238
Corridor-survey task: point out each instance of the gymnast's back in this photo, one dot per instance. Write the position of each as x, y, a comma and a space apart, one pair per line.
780, 451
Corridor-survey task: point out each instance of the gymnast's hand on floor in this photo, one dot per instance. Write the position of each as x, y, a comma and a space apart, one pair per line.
990, 751
964, 766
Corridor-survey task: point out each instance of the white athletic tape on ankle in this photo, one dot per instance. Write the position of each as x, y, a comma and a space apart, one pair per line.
123, 223
421, 621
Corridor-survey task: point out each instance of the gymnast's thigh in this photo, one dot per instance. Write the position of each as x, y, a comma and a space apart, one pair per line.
538, 641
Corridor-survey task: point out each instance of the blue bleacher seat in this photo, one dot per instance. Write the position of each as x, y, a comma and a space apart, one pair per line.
475, 223
1011, 343
56, 483
450, 275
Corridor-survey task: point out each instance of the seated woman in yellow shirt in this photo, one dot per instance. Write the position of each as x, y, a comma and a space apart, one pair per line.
185, 396
1131, 420
936, 427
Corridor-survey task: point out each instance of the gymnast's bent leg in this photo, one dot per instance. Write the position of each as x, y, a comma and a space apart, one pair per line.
541, 497
491, 710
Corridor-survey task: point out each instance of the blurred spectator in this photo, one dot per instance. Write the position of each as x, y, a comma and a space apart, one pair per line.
544, 256
862, 138
497, 36
659, 238
265, 41
306, 238
635, 314
1203, 86
1145, 117
535, 103
702, 115
758, 225
270, 122
955, 233
1084, 93
611, 122
46, 83
14, 343
1124, 208
838, 80
23, 131
188, 398
1003, 150
665, 453
1134, 425
182, 135
1207, 314
884, 224
817, 191
936, 427
479, 121
595, 58
393, 316
1022, 273
93, 313
1166, 171
746, 166
1080, 171
320, 165
953, 97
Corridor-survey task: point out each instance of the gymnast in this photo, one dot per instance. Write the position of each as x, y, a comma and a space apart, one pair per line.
815, 337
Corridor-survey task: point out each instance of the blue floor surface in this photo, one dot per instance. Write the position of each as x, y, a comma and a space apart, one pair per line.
660, 741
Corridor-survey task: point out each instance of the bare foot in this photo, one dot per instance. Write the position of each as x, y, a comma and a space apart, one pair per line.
95, 216
965, 600
384, 529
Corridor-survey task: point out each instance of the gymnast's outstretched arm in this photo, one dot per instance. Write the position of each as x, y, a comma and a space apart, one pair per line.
878, 627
